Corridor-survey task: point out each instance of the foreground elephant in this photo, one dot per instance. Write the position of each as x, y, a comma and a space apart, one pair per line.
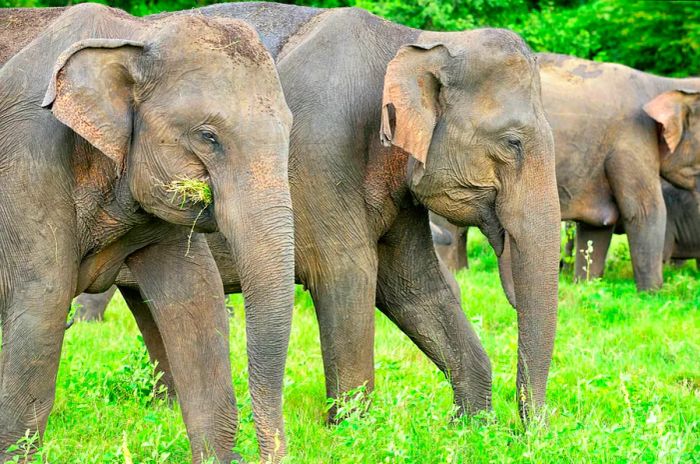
616, 130
102, 118
464, 135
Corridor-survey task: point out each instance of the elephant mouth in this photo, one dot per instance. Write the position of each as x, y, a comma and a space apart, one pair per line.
190, 192
496, 238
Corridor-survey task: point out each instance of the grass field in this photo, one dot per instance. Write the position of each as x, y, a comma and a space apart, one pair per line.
624, 385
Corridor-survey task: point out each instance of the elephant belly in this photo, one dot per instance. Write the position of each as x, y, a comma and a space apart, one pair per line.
97, 273
686, 250
594, 210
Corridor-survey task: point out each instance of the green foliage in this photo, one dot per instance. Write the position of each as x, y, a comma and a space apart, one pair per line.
662, 37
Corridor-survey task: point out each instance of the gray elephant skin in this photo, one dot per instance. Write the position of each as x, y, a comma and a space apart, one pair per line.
682, 236
618, 132
99, 115
464, 135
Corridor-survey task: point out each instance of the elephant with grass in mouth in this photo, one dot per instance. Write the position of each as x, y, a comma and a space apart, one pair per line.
463, 134
118, 137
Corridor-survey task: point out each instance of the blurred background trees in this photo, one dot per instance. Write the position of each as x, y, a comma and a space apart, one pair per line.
661, 37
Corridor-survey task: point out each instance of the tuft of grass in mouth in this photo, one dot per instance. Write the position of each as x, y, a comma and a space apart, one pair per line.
193, 190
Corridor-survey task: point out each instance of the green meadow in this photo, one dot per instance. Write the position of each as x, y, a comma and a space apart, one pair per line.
624, 385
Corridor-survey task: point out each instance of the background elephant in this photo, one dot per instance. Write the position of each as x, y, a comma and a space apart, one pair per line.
461, 114
616, 129
682, 237
92, 173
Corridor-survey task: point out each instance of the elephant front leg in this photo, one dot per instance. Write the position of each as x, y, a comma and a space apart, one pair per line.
344, 302
414, 293
639, 197
33, 324
591, 247
186, 299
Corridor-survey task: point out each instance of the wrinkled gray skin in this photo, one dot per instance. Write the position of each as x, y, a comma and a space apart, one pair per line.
99, 115
616, 130
682, 237
465, 134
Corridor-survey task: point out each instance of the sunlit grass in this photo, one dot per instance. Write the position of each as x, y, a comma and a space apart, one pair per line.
624, 385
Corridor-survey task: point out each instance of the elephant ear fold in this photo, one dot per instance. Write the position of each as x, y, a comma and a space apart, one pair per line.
671, 111
91, 91
410, 101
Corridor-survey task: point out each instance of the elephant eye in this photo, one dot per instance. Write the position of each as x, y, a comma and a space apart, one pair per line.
516, 145
210, 137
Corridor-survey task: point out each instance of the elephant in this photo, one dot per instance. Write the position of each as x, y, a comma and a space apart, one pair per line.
682, 236
606, 119
105, 120
389, 123
682, 240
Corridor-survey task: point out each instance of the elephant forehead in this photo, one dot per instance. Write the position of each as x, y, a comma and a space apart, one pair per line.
198, 37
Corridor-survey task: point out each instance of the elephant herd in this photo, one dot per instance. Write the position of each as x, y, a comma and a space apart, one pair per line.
318, 140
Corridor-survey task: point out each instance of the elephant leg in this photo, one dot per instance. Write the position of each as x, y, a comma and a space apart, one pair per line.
92, 306
344, 301
413, 292
33, 324
186, 299
151, 337
643, 211
590, 259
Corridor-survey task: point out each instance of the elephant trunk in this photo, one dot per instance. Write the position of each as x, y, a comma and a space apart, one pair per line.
530, 214
258, 225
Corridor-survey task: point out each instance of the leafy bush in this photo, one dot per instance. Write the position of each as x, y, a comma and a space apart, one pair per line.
662, 37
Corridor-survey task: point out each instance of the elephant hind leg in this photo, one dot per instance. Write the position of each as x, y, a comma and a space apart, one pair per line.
344, 300
151, 337
592, 244
414, 293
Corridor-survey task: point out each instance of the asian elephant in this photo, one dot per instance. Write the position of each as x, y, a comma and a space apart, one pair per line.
102, 118
390, 122
682, 236
616, 130
682, 225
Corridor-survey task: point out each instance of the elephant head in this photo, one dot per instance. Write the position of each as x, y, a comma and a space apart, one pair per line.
200, 100
678, 114
467, 108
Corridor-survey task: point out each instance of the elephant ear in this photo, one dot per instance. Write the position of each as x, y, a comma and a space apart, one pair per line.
670, 109
410, 103
91, 91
